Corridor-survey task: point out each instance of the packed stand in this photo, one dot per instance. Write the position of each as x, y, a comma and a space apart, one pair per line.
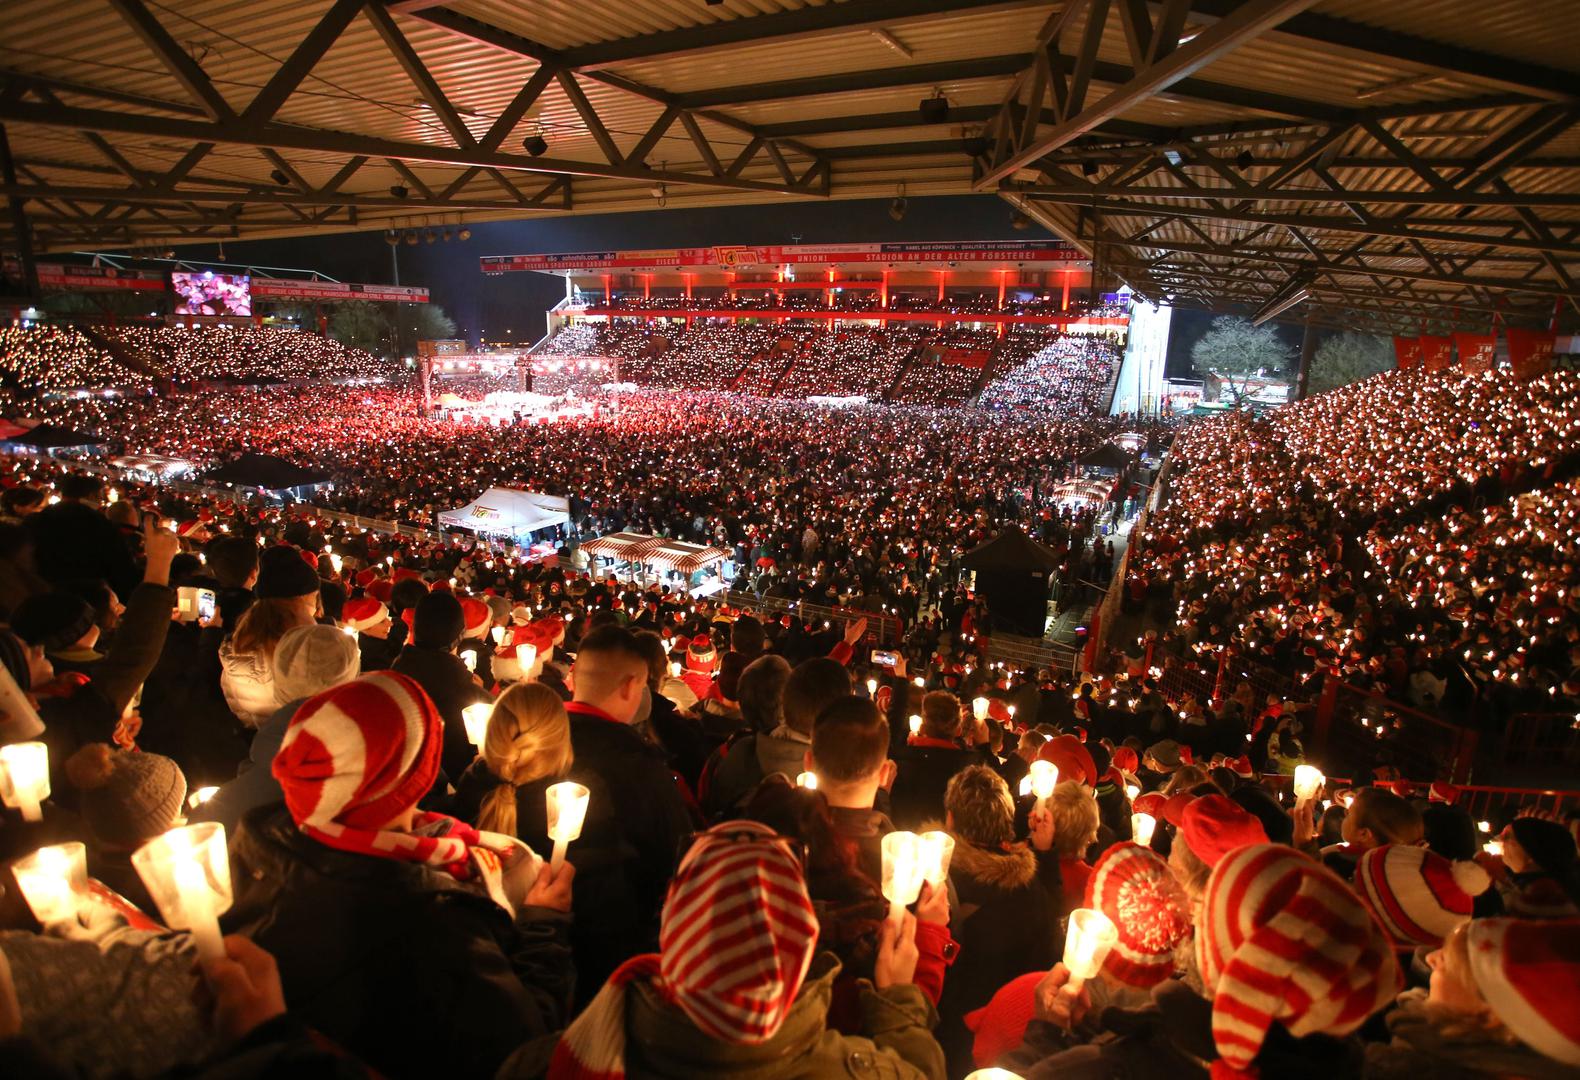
489, 818
41, 359
1071, 372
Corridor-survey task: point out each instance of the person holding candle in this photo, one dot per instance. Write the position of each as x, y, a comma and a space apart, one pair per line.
1376, 817
930, 759
1067, 827
850, 755
430, 658
378, 913
738, 988
371, 621
288, 596
529, 739
1008, 896
125, 800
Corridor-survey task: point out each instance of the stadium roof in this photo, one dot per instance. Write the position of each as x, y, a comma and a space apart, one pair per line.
1410, 163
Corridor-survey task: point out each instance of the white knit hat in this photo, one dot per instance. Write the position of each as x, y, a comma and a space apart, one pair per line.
311, 659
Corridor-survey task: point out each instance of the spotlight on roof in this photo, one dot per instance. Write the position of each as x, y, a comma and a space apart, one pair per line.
464, 234
280, 178
391, 237
935, 109
1243, 159
536, 145
1019, 221
400, 191
898, 207
429, 236
411, 236
1088, 168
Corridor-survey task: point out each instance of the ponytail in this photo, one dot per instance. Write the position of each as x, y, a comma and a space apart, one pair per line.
529, 737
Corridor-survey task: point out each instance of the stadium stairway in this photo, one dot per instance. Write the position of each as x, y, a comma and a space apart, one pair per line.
118, 351
909, 362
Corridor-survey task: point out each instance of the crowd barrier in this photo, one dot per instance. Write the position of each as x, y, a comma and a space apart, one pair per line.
1036, 653
1358, 730
882, 629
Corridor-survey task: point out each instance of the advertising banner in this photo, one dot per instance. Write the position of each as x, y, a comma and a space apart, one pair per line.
74, 278
308, 289
740, 255
1476, 351
1407, 351
1530, 352
1437, 353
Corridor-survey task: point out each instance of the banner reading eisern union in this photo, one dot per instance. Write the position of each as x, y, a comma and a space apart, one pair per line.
736, 256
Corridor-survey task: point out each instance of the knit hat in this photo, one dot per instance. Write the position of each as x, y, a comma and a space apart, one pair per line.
437, 621
359, 754
1417, 895
381, 590
1529, 975
736, 940
476, 617
1165, 752
1547, 842
283, 573
1000, 1025
1443, 792
1138, 892
363, 613
55, 620
127, 798
1214, 825
700, 654
1282, 939
311, 659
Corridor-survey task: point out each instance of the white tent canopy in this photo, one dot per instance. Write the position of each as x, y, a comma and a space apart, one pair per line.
501, 511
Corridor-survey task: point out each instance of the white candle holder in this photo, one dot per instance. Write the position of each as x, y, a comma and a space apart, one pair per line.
53, 881
992, 1074
24, 778
498, 634
1086, 944
872, 688
469, 658
187, 872
476, 717
1132, 791
979, 708
526, 656
916, 724
902, 871
937, 850
1142, 826
1308, 782
806, 780
566, 805
1025, 785
1044, 776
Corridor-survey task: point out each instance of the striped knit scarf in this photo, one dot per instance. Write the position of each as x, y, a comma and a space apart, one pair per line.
436, 840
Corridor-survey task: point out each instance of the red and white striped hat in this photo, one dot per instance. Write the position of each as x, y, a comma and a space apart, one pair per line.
1529, 974
1282, 940
1138, 892
1417, 895
737, 938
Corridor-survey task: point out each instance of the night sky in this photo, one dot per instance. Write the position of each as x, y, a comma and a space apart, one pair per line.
516, 302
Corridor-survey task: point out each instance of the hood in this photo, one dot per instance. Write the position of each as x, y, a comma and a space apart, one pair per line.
1012, 869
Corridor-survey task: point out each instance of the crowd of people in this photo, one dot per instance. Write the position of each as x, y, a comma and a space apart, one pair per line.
1073, 373
47, 358
492, 818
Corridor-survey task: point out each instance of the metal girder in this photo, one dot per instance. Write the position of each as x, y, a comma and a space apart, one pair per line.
129, 196
186, 70
1249, 20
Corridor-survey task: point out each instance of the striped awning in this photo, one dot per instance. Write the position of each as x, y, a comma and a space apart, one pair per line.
621, 545
683, 557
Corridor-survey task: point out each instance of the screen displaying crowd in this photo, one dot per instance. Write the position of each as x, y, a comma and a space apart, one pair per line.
489, 815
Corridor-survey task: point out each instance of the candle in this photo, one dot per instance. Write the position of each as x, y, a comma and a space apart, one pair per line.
1493, 848
919, 681
1484, 826
674, 669
475, 717
335, 563
1011, 712
24, 778
916, 724
902, 871
1131, 791
1025, 785
1142, 827
469, 658
498, 634
201, 796
872, 688
1044, 777
53, 880
1086, 944
187, 871
806, 780
992, 1074
979, 708
937, 849
526, 656
567, 809
349, 631
1308, 781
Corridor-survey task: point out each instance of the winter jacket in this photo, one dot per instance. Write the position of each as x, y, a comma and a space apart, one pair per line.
378, 654
415, 973
924, 772
1419, 1048
452, 688
247, 680
185, 714
254, 784
637, 822
895, 1043
1006, 919
866, 830
749, 760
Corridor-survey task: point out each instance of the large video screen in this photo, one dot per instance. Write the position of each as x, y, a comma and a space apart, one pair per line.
208, 293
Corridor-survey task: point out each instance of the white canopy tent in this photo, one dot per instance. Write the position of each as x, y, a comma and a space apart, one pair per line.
511, 512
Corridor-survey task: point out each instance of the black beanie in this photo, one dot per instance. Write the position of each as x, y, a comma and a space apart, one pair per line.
282, 573
1547, 842
55, 620
437, 622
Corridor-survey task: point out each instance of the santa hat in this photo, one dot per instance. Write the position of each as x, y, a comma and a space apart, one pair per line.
381, 590
736, 940
364, 612
1529, 975
1074, 759
1443, 792
1150, 802
1125, 760
476, 615
1242, 768
1417, 895
1215, 825
520, 615
1174, 807
700, 654
1138, 892
366, 577
1282, 940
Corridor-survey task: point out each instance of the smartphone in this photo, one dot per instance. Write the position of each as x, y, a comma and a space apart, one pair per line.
206, 605
885, 657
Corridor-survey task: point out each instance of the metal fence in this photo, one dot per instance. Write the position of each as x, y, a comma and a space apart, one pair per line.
1541, 738
882, 629
1358, 730
1025, 652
